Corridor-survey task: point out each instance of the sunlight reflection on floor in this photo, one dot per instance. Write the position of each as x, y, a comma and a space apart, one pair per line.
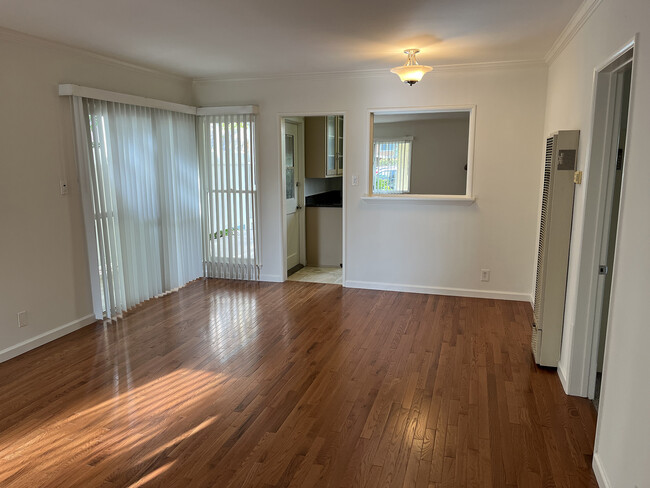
117, 427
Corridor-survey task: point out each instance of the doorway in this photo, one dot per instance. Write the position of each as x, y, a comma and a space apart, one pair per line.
611, 115
312, 148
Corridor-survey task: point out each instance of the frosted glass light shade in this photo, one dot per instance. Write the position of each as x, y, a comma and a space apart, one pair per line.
411, 72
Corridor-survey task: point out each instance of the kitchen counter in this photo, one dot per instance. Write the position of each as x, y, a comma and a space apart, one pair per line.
332, 198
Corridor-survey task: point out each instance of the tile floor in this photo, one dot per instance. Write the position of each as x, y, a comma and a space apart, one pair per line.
313, 274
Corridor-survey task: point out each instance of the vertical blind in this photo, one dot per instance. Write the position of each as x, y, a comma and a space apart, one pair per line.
229, 196
392, 165
140, 187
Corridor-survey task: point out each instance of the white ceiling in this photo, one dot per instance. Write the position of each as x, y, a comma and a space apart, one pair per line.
250, 38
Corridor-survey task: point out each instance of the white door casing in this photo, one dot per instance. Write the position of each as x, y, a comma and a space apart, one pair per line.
607, 239
579, 343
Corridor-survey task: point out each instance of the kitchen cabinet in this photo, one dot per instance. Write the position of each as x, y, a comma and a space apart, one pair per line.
324, 146
324, 232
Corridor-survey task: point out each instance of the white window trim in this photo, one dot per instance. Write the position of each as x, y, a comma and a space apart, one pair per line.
468, 198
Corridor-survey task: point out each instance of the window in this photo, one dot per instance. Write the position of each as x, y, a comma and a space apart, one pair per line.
140, 186
229, 196
290, 167
391, 166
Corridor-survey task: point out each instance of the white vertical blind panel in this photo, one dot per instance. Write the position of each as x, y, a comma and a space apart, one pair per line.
229, 197
83, 154
141, 176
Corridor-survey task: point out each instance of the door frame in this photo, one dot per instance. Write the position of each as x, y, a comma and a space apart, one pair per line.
283, 183
576, 371
609, 172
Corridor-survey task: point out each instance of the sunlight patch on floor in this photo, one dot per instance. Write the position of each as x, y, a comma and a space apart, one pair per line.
146, 479
116, 427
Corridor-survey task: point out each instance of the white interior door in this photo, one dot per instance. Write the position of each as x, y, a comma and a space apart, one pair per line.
292, 197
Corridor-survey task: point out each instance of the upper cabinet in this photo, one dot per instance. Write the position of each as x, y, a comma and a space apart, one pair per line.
323, 146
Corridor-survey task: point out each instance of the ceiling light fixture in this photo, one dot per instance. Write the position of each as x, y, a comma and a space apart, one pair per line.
411, 72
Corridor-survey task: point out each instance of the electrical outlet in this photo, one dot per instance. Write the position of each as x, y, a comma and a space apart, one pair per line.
22, 319
64, 187
355, 180
485, 275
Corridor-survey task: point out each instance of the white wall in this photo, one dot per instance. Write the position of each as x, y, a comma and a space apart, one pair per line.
438, 156
432, 247
622, 448
314, 186
43, 264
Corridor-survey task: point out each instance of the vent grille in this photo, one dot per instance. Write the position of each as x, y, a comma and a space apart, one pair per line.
548, 173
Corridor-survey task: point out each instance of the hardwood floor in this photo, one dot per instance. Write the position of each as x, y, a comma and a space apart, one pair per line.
231, 384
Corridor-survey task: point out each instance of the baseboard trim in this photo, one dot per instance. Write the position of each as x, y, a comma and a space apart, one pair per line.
49, 336
601, 476
562, 375
271, 278
435, 290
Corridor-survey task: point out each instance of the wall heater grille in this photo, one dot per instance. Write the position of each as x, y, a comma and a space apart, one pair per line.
553, 250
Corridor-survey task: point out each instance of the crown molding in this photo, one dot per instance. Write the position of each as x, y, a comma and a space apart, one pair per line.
28, 39
370, 73
571, 29
514, 64
374, 73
